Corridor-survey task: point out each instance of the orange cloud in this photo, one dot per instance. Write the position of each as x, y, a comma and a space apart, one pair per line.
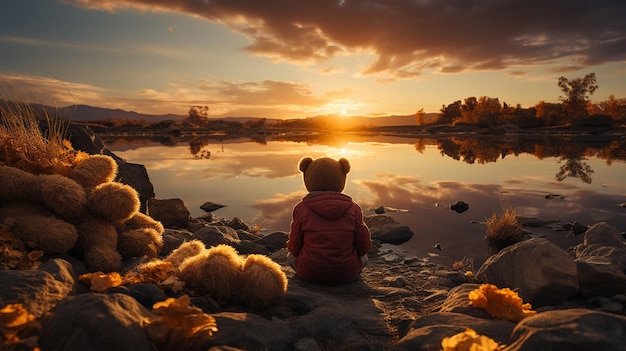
408, 37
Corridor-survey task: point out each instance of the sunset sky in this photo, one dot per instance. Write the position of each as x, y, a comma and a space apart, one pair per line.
300, 58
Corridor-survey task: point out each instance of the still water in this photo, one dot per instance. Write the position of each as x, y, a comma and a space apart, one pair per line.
259, 182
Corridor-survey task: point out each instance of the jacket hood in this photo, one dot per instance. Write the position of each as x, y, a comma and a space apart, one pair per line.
328, 204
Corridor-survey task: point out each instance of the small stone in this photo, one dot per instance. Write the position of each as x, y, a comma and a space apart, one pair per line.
211, 206
459, 207
612, 307
397, 281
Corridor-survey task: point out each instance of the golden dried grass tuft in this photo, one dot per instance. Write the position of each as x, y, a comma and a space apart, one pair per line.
505, 228
25, 146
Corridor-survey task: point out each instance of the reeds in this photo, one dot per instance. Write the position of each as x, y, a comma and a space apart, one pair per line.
25, 146
505, 228
503, 231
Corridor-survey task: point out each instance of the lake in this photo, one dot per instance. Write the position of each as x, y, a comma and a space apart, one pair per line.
568, 179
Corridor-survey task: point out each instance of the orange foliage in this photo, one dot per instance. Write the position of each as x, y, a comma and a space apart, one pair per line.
179, 326
15, 324
100, 282
500, 303
469, 340
13, 252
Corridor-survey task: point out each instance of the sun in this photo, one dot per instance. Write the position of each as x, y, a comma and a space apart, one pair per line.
343, 111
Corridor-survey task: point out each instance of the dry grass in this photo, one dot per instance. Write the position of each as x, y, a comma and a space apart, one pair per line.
465, 264
505, 228
23, 145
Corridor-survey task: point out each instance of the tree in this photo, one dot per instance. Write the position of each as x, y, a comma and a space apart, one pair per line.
551, 113
576, 100
198, 113
614, 108
488, 111
419, 115
450, 113
468, 110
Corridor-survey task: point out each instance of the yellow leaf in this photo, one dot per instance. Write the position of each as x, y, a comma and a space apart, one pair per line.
15, 316
179, 325
469, 340
500, 303
100, 282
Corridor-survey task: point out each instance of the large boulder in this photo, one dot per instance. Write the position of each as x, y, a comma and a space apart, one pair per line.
426, 332
541, 272
37, 290
94, 322
601, 261
172, 213
573, 329
387, 230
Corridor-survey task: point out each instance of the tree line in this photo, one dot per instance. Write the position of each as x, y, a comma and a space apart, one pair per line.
573, 108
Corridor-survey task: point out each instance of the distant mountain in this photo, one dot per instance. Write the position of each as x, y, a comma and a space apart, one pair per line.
85, 113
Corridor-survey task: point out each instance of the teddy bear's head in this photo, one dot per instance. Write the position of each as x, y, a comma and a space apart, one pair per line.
324, 173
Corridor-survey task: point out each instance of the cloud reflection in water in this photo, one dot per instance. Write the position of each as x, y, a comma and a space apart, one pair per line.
260, 183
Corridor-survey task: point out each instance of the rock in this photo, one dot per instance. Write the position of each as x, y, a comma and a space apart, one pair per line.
96, 322
61, 270
573, 329
247, 331
603, 234
172, 213
146, 294
576, 228
246, 247
211, 206
238, 224
459, 207
273, 241
217, 234
354, 318
457, 301
379, 210
426, 338
136, 176
387, 230
601, 261
598, 275
37, 290
172, 239
426, 332
541, 272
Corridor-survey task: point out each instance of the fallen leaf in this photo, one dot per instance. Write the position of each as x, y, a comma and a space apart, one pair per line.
15, 316
500, 303
100, 282
469, 340
178, 325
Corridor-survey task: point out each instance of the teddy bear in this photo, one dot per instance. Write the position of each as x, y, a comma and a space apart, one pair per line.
220, 272
83, 212
328, 240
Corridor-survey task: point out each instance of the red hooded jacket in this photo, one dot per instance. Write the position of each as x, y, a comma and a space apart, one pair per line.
328, 237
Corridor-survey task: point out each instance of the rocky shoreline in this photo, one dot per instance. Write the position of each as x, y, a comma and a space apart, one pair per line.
399, 302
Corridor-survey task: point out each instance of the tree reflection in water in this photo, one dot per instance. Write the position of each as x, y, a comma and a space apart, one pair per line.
573, 151
575, 167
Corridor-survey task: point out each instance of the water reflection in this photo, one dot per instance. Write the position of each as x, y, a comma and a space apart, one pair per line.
260, 182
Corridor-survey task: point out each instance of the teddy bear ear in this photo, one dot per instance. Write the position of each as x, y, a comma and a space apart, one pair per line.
345, 165
304, 163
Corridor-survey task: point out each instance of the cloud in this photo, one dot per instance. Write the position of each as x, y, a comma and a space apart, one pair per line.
279, 99
409, 37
